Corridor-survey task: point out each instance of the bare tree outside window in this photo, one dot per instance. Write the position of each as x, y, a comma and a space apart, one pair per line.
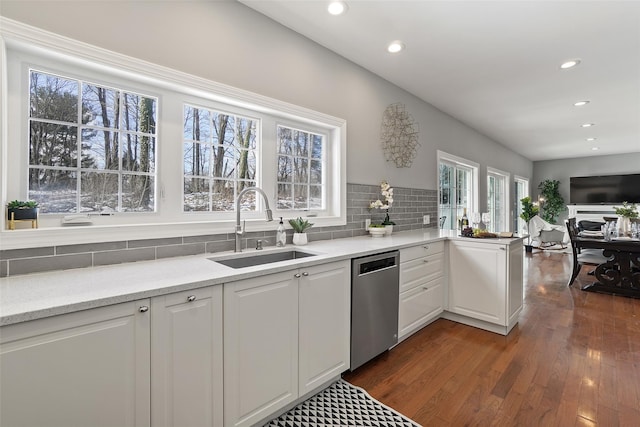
219, 158
91, 148
300, 169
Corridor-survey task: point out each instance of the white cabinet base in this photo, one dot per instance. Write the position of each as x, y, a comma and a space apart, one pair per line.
420, 306
481, 324
485, 284
88, 368
186, 358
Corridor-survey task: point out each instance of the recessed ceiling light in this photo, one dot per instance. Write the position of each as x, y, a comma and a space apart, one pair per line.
595, 148
581, 103
570, 64
337, 7
591, 139
587, 125
395, 46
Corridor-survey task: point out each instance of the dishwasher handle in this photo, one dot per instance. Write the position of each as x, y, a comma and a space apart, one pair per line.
376, 263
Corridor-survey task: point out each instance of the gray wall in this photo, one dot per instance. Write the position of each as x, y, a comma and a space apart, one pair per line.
264, 57
563, 169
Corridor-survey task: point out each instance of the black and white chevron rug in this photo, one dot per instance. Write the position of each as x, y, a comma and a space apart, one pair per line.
341, 405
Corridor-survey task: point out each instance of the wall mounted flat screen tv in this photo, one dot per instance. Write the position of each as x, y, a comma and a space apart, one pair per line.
607, 189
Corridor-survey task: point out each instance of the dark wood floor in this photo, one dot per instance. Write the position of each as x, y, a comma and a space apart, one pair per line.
573, 360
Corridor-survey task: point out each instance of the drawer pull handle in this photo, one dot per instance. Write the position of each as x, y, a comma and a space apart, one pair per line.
502, 249
305, 274
425, 288
191, 298
426, 247
425, 260
297, 275
143, 309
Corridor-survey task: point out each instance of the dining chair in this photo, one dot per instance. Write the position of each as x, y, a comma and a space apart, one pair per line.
581, 256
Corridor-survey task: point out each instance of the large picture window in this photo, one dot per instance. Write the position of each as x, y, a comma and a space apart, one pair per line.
220, 159
91, 148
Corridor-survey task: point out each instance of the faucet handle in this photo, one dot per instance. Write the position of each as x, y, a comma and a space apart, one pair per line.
259, 244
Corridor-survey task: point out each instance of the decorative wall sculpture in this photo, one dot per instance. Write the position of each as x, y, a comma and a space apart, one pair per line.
399, 134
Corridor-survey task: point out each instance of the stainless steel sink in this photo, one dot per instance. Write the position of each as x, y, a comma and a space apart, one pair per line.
264, 258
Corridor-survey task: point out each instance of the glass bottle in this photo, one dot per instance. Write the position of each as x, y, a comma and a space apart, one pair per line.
281, 235
465, 219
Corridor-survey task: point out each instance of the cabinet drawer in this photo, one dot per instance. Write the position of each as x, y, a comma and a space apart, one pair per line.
419, 251
420, 305
417, 271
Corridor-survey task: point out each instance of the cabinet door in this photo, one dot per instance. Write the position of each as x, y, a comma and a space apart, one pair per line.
186, 358
477, 280
89, 368
324, 334
260, 347
420, 305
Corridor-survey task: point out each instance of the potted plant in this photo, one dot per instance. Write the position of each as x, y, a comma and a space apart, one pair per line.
529, 210
300, 226
377, 230
18, 210
551, 200
387, 192
625, 214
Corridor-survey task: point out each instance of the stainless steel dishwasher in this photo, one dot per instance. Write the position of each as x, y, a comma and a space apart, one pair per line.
374, 306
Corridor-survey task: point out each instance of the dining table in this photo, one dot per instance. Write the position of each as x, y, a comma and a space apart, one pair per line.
620, 273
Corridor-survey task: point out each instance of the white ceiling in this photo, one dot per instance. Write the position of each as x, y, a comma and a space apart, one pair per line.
494, 65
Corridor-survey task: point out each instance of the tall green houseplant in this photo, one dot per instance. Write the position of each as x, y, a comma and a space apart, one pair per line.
529, 210
552, 203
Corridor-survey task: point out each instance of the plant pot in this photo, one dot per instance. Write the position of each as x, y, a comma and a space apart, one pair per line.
388, 229
300, 239
528, 248
22, 213
377, 231
624, 226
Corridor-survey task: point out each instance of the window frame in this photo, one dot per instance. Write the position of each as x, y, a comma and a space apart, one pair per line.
120, 172
519, 224
326, 167
27, 47
504, 178
463, 164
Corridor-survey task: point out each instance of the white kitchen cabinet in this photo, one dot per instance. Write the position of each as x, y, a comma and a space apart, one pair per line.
485, 284
324, 331
422, 286
186, 358
88, 368
285, 334
260, 347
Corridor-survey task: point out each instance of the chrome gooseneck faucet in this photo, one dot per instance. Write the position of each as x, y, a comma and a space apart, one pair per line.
239, 227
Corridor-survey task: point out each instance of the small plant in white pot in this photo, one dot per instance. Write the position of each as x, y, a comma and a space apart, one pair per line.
377, 230
300, 226
625, 214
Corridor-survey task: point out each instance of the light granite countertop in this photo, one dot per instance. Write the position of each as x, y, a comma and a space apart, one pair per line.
40, 295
